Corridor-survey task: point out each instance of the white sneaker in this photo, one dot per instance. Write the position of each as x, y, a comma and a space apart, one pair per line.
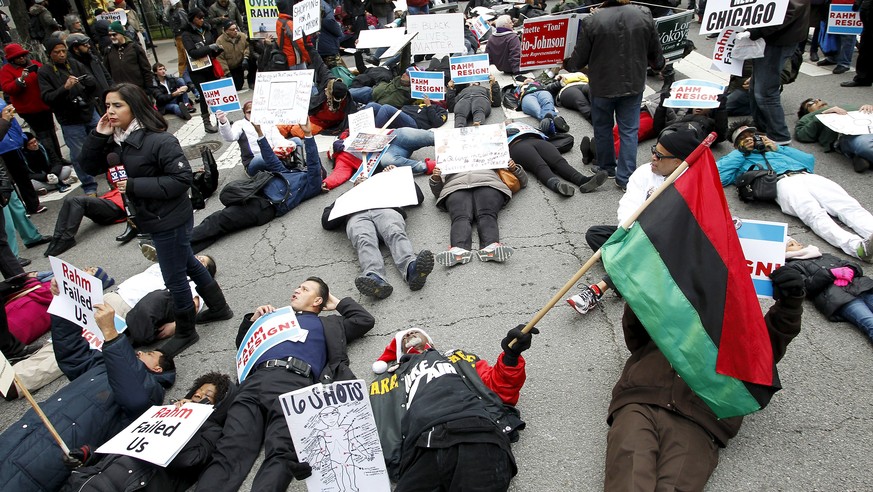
865, 250
454, 257
72, 179
585, 300
51, 179
495, 252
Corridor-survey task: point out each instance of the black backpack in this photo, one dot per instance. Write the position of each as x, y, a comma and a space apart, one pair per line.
35, 29
237, 192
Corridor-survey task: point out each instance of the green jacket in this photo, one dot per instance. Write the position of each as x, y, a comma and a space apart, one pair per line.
811, 129
392, 93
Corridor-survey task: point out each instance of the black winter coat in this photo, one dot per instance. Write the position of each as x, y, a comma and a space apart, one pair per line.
158, 176
51, 84
819, 283
794, 29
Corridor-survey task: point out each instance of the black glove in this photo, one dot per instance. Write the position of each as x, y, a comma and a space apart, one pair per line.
787, 282
78, 457
523, 340
300, 471
215, 48
245, 64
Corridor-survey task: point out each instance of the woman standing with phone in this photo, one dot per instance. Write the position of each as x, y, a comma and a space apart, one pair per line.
158, 179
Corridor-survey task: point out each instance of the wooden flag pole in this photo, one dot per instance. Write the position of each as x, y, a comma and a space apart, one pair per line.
42, 416
624, 225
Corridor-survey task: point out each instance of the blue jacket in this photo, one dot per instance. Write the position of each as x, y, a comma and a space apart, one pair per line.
107, 391
304, 184
784, 159
14, 139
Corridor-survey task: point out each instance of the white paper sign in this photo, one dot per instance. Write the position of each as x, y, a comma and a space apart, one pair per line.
480, 26
79, 293
221, 95
746, 14
391, 189
722, 55
282, 98
268, 331
694, 93
7, 375
471, 148
380, 38
116, 15
159, 434
437, 33
361, 121
333, 429
307, 17
763, 245
853, 123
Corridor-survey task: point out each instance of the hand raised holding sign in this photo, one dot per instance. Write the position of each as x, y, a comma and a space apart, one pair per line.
104, 315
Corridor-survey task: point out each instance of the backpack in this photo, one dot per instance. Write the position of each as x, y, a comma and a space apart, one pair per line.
237, 192
273, 59
343, 74
35, 29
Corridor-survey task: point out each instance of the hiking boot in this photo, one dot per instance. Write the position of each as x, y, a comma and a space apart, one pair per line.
591, 183
419, 269
498, 252
373, 285
865, 250
454, 256
560, 187
58, 246
147, 248
586, 299
561, 125
184, 113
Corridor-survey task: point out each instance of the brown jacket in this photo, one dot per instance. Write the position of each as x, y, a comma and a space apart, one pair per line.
235, 49
473, 179
649, 379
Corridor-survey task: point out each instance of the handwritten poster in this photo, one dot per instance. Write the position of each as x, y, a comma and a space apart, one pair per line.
471, 148
307, 17
853, 123
281, 98
437, 33
394, 188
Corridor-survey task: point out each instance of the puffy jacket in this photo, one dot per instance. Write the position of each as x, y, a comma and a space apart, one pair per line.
426, 117
158, 175
811, 129
504, 50
819, 283
303, 184
192, 37
14, 139
617, 32
26, 98
107, 390
51, 83
331, 34
393, 93
473, 179
128, 62
649, 379
235, 50
218, 14
794, 29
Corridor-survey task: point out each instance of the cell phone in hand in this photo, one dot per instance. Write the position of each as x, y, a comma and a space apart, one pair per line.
33, 68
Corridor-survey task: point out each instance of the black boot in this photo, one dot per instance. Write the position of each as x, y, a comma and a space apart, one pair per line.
555, 184
59, 246
186, 334
128, 234
207, 124
217, 308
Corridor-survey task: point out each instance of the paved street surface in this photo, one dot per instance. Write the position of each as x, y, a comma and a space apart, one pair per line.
815, 434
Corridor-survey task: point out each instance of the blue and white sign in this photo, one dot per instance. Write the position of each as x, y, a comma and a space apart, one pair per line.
694, 93
480, 27
842, 20
265, 333
221, 95
470, 68
430, 84
764, 247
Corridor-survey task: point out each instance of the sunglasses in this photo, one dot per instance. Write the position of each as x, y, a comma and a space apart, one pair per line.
659, 156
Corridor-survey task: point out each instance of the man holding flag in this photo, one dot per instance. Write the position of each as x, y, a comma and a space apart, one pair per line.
702, 355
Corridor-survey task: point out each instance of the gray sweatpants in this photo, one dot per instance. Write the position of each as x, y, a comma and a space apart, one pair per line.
364, 230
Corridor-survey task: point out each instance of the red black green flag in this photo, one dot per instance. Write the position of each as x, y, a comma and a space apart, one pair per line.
681, 269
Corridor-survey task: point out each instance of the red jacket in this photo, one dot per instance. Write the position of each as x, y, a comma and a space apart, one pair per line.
26, 99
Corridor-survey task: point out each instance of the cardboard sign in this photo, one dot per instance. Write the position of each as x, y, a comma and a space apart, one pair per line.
281, 98
307, 17
262, 16
361, 121
672, 31
159, 434
547, 41
468, 69
333, 430
430, 84
7, 375
221, 95
79, 293
370, 142
722, 55
384, 190
763, 245
746, 14
471, 148
480, 27
268, 331
841, 19
694, 93
853, 123
437, 33
116, 15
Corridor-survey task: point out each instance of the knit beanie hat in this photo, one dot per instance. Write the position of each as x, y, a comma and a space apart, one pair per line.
392, 355
680, 143
52, 41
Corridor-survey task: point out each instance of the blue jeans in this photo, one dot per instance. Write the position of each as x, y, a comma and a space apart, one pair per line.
857, 145
538, 104
738, 103
860, 313
361, 95
178, 263
766, 98
410, 10
843, 57
384, 112
606, 112
187, 78
406, 141
74, 137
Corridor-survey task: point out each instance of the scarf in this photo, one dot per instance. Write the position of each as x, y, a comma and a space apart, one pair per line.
120, 135
807, 253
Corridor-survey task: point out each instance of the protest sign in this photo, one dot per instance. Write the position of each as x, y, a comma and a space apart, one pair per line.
369, 163
262, 16
361, 121
430, 84
471, 148
722, 55
333, 430
397, 48
370, 142
694, 93
841, 19
307, 17
480, 26
672, 31
384, 190
199, 63
746, 14
95, 338
281, 98
437, 33
546, 41
221, 95
379, 38
159, 434
79, 293
116, 15
268, 331
853, 123
763, 246
468, 69
399, 5
7, 375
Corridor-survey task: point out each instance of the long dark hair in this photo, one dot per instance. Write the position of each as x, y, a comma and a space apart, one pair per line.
140, 105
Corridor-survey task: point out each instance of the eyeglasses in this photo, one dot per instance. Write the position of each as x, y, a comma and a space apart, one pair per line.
810, 103
659, 156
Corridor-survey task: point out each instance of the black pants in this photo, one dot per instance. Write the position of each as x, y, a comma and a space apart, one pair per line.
864, 63
252, 73
239, 77
255, 212
20, 174
542, 159
100, 210
43, 127
470, 467
199, 77
152, 311
476, 107
576, 97
480, 205
597, 235
9, 265
255, 416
